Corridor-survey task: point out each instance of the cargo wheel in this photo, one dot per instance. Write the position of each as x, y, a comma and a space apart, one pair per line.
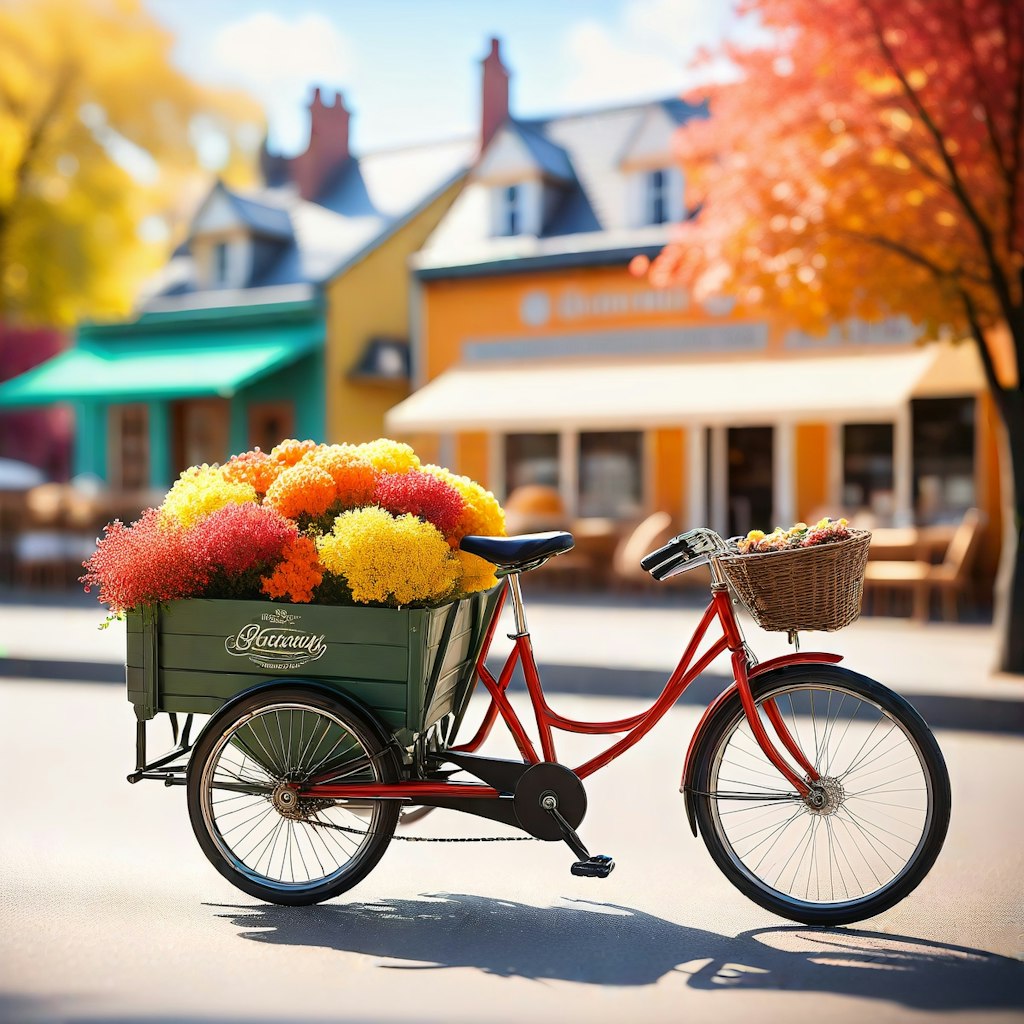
246, 805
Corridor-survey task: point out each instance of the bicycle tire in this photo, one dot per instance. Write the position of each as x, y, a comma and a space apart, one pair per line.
877, 849
244, 757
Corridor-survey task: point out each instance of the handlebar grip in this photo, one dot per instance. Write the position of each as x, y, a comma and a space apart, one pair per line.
659, 572
649, 561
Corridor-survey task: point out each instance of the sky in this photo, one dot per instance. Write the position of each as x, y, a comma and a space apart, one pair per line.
410, 69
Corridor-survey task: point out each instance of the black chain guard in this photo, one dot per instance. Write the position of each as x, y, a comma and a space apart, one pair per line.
537, 782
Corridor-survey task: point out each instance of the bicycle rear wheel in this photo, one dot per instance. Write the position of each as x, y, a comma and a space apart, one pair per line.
251, 823
883, 798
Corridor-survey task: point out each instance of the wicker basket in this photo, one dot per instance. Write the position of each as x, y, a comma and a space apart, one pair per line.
818, 587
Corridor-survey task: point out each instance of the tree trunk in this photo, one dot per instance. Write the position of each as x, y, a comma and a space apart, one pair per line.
1009, 587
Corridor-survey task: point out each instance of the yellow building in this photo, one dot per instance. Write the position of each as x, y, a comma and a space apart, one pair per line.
538, 358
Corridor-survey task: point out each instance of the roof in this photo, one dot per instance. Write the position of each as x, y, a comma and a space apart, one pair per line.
308, 243
609, 395
264, 219
589, 155
551, 158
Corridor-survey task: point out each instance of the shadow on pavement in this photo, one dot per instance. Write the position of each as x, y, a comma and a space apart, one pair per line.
604, 944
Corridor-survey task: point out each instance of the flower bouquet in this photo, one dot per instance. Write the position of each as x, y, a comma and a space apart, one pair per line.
338, 564
803, 577
306, 523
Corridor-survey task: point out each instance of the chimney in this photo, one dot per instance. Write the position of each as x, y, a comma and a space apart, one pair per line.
495, 95
328, 146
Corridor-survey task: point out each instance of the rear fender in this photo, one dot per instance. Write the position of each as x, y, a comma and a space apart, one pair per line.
716, 706
313, 686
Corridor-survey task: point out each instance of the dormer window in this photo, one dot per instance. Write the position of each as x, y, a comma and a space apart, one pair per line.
657, 200
510, 214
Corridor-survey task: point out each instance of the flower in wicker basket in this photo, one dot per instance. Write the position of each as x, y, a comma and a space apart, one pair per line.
804, 577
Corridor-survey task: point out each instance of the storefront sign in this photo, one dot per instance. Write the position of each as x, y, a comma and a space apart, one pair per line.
539, 307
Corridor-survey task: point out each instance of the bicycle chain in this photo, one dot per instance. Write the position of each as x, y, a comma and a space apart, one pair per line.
427, 839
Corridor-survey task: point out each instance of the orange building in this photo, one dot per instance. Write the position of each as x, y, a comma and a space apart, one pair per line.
538, 358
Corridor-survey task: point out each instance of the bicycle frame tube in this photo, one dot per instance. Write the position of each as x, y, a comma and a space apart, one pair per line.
635, 727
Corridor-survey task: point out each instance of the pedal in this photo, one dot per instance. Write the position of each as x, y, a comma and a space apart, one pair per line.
596, 866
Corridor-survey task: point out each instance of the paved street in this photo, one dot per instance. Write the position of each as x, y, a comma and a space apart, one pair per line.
109, 910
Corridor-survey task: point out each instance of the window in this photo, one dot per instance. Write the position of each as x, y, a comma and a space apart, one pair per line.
531, 459
750, 479
943, 430
611, 474
510, 217
657, 197
220, 264
199, 432
270, 423
868, 468
128, 455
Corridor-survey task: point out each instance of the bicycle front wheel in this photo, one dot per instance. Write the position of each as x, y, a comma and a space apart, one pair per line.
876, 819
253, 824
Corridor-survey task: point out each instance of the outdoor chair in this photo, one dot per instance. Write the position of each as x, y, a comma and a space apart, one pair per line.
921, 578
648, 535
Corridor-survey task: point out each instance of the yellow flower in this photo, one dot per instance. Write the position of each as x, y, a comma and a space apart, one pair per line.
388, 559
201, 490
387, 456
477, 573
482, 515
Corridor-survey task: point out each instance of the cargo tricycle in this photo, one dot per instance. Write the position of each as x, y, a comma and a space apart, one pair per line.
821, 794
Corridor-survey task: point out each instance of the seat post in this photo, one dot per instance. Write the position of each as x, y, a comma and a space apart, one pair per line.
517, 607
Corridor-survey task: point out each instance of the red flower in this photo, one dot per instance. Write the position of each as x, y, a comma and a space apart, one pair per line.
420, 494
145, 563
237, 537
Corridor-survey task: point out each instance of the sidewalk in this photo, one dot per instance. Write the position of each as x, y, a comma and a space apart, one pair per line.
614, 645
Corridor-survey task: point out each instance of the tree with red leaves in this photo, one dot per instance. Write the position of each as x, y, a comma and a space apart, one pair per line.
869, 162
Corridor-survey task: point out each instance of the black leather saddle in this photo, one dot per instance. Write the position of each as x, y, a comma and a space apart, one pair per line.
523, 552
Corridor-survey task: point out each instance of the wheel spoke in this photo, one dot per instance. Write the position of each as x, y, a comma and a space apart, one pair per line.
865, 821
289, 843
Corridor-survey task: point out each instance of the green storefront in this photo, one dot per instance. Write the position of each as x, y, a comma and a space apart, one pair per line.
174, 389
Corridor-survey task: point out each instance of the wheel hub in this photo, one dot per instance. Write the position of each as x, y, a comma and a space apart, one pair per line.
824, 796
285, 799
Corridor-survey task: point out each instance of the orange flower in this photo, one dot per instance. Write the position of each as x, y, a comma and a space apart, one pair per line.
289, 452
303, 489
354, 476
256, 468
297, 575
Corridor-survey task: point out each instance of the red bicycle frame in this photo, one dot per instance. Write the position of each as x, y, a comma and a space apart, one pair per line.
635, 727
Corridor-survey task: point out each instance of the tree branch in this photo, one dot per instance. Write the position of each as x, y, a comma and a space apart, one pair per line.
1015, 32
941, 273
999, 282
967, 39
988, 365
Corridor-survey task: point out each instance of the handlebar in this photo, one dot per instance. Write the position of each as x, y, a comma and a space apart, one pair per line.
684, 552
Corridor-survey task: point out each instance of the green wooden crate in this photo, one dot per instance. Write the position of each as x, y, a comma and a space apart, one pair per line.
411, 665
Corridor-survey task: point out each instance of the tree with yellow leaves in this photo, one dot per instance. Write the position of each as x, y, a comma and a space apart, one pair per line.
869, 162
99, 135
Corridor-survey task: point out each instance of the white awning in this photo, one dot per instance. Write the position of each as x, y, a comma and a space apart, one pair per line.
636, 394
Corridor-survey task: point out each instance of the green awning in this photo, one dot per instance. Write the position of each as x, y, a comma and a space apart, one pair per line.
191, 364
